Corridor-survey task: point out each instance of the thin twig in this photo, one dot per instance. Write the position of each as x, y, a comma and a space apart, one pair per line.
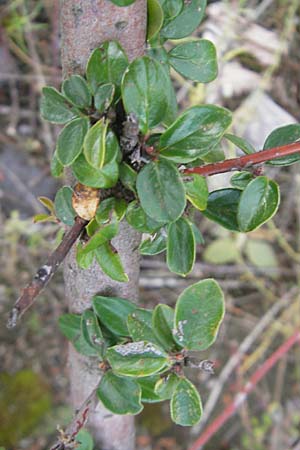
67, 438
45, 273
239, 399
246, 161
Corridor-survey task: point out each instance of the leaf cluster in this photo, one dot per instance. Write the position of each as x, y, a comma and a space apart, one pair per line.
143, 353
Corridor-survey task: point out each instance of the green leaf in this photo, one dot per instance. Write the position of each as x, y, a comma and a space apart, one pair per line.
138, 219
110, 262
47, 203
63, 205
107, 207
102, 236
113, 312
153, 246
155, 18
161, 191
106, 64
76, 90
198, 315
70, 326
119, 395
56, 166
139, 324
104, 96
70, 141
241, 143
186, 406
128, 177
162, 323
85, 440
106, 177
222, 207
261, 253
199, 239
196, 60
137, 359
95, 144
171, 8
84, 260
181, 247
186, 21
172, 108
91, 331
197, 191
166, 385
122, 2
258, 203
55, 107
195, 133
282, 136
145, 92
147, 385
241, 179
92, 227
222, 251
43, 218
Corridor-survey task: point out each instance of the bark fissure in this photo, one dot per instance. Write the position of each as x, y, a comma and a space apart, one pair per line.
85, 24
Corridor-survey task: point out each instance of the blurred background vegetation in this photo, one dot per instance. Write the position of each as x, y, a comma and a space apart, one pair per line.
259, 64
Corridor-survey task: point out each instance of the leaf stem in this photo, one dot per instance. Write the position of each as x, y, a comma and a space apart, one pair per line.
245, 161
45, 273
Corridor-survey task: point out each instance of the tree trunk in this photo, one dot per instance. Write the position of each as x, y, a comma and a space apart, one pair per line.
85, 24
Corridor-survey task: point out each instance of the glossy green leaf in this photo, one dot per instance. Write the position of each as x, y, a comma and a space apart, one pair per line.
155, 18
258, 203
102, 236
84, 260
145, 92
171, 8
43, 218
106, 177
85, 440
55, 108
196, 60
128, 177
181, 247
195, 133
47, 203
104, 96
147, 385
110, 262
199, 239
198, 315
137, 359
197, 191
241, 143
70, 326
56, 167
91, 331
109, 206
139, 324
122, 2
154, 246
162, 324
95, 144
172, 108
106, 64
70, 141
63, 205
222, 207
76, 90
241, 179
113, 312
186, 406
186, 21
92, 227
119, 395
138, 219
282, 136
161, 191
166, 385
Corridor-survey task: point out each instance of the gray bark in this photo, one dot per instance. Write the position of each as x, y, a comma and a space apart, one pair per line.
85, 24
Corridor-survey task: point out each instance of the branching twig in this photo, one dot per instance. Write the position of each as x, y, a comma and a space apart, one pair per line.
246, 161
45, 273
239, 399
66, 439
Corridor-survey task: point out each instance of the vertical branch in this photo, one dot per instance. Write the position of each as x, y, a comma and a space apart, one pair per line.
85, 24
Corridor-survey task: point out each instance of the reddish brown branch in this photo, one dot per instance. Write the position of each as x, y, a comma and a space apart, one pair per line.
214, 427
45, 273
246, 161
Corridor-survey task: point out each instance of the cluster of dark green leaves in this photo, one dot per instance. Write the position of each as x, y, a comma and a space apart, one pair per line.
143, 352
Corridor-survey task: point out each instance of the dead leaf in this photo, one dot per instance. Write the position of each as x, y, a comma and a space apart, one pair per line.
85, 201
